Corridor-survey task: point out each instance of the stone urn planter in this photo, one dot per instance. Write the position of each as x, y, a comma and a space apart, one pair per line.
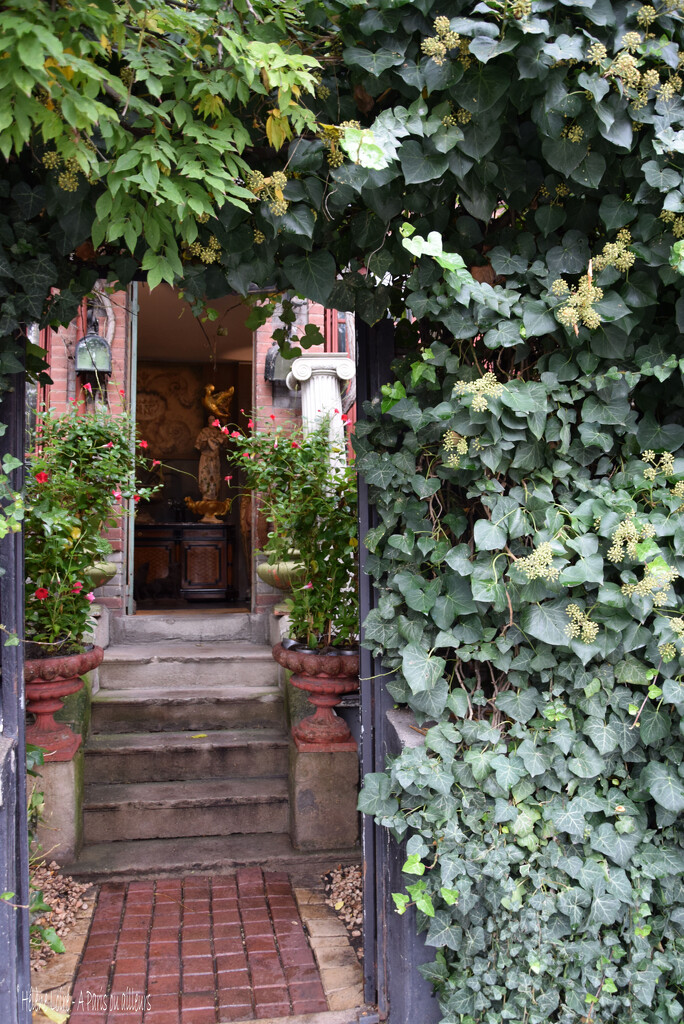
48, 681
325, 676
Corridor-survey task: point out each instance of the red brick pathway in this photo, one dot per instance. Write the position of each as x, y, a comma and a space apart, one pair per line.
196, 950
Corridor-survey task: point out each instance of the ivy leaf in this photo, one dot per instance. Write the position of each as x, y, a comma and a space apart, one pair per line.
655, 724
421, 669
419, 166
573, 902
605, 910
546, 622
585, 763
312, 276
664, 785
520, 706
619, 847
535, 759
568, 818
480, 763
508, 770
488, 536
660, 861
443, 931
603, 736
376, 795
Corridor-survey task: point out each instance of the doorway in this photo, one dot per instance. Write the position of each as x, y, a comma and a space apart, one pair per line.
190, 374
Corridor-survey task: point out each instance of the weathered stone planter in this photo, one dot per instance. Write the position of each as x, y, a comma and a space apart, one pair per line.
323, 762
48, 681
325, 677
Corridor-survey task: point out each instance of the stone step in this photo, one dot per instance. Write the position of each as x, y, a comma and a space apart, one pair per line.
154, 858
177, 756
221, 626
199, 664
180, 708
167, 810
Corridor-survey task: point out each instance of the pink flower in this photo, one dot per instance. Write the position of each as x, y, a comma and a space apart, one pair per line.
336, 410
143, 444
117, 495
42, 477
90, 597
110, 444
242, 411
250, 424
295, 445
228, 478
41, 593
156, 462
308, 586
236, 433
216, 423
88, 388
224, 430
77, 587
245, 455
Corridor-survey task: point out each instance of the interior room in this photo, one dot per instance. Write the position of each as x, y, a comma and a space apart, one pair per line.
193, 378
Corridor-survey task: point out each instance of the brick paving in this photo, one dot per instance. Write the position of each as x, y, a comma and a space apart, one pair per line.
196, 950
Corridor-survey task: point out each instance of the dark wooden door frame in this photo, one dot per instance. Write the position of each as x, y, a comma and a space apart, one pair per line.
392, 949
15, 978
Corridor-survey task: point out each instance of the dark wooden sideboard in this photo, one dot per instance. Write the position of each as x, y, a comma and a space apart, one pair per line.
184, 560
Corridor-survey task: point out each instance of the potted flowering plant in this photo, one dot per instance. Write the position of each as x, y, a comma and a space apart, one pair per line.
311, 511
307, 493
82, 468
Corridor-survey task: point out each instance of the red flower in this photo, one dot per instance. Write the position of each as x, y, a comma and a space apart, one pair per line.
295, 445
42, 477
272, 416
41, 593
250, 424
236, 433
336, 410
77, 587
228, 478
156, 462
345, 418
110, 444
216, 423
143, 444
117, 495
224, 430
88, 388
136, 497
122, 392
245, 455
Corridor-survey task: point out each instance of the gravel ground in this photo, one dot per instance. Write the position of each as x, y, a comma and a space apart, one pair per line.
65, 896
344, 889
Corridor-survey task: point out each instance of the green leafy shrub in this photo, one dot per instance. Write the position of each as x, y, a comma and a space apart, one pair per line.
527, 465
311, 511
82, 470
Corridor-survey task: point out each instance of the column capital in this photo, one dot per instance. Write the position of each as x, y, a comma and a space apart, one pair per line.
335, 364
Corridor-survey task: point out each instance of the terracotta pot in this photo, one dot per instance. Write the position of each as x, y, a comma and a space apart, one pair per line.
325, 677
48, 681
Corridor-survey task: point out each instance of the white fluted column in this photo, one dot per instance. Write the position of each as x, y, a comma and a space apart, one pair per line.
320, 375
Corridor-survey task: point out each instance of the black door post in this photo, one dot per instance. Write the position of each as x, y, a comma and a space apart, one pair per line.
15, 978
